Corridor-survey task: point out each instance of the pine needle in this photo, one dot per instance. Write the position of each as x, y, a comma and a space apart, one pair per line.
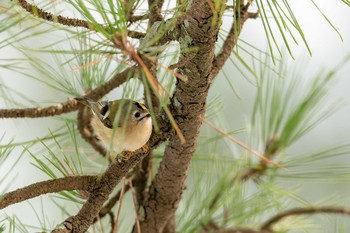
261, 156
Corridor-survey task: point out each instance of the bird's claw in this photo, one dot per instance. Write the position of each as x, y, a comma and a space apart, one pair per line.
145, 148
125, 155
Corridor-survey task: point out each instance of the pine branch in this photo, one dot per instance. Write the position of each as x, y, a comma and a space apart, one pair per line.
230, 42
86, 215
65, 107
68, 183
187, 106
47, 16
303, 211
107, 182
271, 149
71, 104
212, 227
66, 21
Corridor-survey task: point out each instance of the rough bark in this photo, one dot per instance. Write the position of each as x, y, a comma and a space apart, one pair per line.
69, 183
188, 106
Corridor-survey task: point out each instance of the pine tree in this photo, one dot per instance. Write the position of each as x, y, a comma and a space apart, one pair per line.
197, 175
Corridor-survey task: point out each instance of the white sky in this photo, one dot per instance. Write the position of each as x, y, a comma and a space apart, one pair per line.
327, 49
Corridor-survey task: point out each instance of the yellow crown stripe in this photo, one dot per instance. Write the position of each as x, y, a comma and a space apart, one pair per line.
142, 106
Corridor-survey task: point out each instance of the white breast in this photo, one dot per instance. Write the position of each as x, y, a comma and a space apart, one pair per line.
138, 136
135, 139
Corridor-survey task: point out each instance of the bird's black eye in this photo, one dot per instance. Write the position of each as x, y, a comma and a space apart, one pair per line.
137, 114
104, 110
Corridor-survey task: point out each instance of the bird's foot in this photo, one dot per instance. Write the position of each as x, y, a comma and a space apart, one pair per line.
126, 155
145, 148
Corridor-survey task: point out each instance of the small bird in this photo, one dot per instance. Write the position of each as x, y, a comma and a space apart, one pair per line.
122, 126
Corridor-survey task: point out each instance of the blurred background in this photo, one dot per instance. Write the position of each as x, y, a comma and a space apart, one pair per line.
328, 50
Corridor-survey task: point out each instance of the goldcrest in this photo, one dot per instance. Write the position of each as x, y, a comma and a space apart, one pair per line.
121, 125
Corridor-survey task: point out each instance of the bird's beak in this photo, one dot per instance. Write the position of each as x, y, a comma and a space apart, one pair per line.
145, 116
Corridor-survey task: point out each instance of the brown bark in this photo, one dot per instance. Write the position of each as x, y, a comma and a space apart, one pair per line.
155, 7
232, 37
199, 32
66, 21
69, 183
71, 104
187, 105
89, 211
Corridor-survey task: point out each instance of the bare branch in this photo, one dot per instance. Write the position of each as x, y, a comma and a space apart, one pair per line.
212, 227
51, 18
68, 106
66, 21
68, 183
111, 216
303, 211
71, 104
234, 230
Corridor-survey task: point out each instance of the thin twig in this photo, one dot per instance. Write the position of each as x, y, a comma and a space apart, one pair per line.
66, 21
270, 151
212, 227
134, 202
111, 216
211, 125
100, 224
115, 229
303, 211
